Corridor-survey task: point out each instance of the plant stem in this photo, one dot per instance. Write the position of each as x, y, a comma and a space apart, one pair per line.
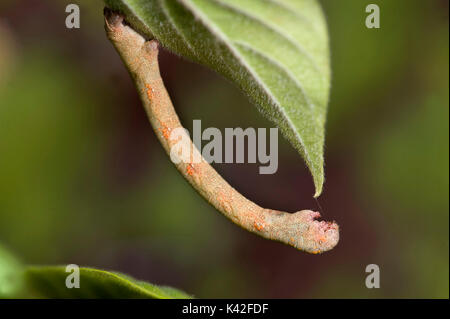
300, 230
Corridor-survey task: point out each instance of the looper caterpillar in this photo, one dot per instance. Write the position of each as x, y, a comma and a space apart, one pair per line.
300, 230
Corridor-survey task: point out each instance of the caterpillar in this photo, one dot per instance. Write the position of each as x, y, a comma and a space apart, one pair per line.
301, 229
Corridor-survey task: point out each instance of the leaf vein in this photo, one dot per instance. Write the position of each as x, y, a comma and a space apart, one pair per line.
272, 28
280, 66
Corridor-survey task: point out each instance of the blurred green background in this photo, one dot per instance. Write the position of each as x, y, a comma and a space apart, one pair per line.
83, 179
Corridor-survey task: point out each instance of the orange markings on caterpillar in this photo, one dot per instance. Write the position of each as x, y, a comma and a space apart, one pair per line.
259, 226
190, 170
165, 131
149, 91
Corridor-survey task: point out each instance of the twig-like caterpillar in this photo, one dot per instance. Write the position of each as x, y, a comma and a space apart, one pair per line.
300, 230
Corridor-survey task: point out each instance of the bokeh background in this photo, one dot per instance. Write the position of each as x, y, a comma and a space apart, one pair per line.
84, 180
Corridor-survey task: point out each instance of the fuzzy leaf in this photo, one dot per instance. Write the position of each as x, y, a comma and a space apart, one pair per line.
50, 282
276, 51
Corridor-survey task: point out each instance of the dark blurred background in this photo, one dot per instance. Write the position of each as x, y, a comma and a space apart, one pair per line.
84, 180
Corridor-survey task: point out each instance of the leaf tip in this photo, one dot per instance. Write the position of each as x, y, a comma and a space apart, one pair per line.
318, 178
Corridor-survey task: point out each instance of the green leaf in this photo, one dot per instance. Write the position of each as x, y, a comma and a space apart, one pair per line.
17, 280
11, 272
276, 51
50, 282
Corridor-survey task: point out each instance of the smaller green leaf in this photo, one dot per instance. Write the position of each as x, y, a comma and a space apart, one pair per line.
50, 282
11, 272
